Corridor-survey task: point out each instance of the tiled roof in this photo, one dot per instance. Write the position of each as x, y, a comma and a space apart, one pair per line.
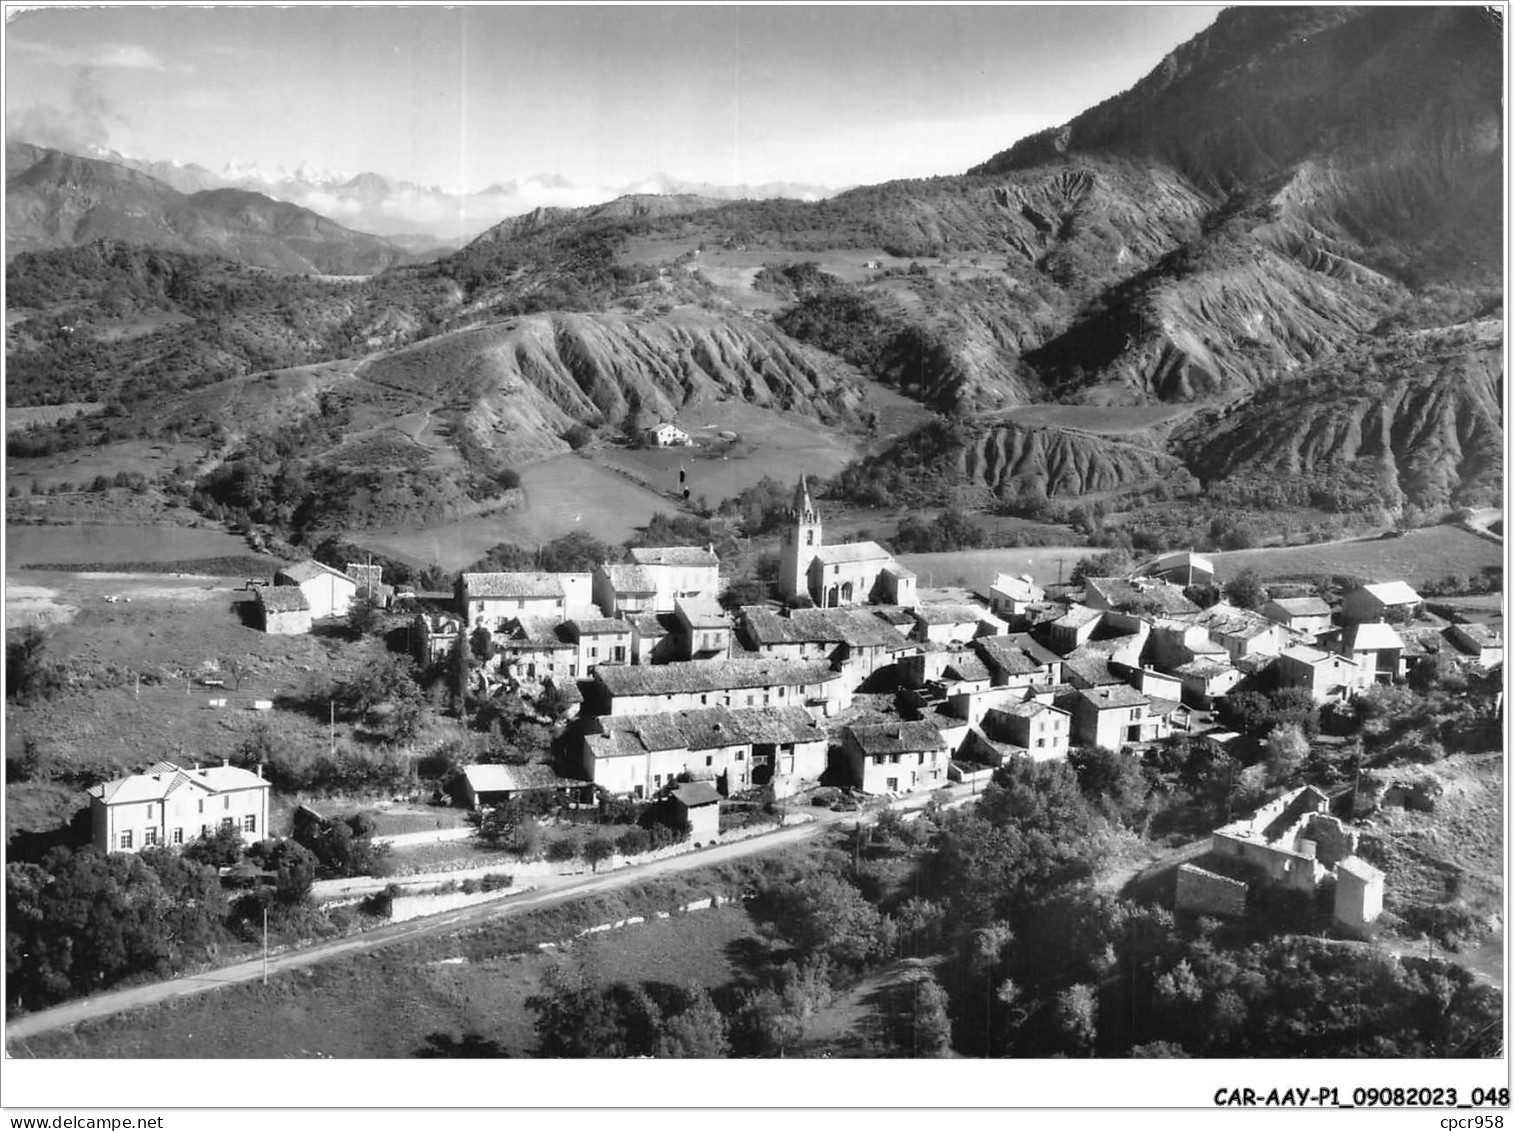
495, 778
540, 632
851, 552
1017, 588
1202, 669
599, 626
1371, 638
164, 778
309, 569
1122, 594
283, 599
855, 627
1089, 666
629, 579
649, 625
695, 793
710, 675
674, 556
703, 614
1239, 624
966, 667
1116, 695
900, 571
1182, 559
950, 614
1479, 634
1394, 593
897, 738
512, 585
1356, 866
1077, 616
1303, 655
1303, 606
363, 573
1025, 709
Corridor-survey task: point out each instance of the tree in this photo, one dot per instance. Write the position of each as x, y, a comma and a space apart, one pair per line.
597, 849
1114, 563
1112, 781
28, 674
292, 863
698, 1033
1287, 747
365, 614
576, 1018
924, 1028
220, 849
1077, 1018
827, 919
1245, 591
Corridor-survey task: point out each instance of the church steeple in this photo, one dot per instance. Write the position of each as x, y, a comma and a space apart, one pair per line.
804, 508
801, 541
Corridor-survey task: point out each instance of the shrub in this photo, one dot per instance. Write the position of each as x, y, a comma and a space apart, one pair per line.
634, 841
563, 850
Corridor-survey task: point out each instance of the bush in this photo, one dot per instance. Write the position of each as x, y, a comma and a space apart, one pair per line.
380, 905
634, 841
563, 850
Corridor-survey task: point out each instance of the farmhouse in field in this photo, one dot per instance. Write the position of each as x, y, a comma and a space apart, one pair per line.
853, 573
171, 806
328, 591
668, 435
283, 610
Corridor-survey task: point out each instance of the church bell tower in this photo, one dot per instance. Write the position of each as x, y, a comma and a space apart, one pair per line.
801, 542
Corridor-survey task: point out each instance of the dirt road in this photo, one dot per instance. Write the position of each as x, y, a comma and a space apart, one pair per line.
554, 890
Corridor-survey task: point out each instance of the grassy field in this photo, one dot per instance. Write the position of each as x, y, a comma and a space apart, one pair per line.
31, 545
105, 726
393, 1003
1419, 555
150, 458
562, 495
17, 419
975, 569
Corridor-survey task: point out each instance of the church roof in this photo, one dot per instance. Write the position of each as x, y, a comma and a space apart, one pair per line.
849, 552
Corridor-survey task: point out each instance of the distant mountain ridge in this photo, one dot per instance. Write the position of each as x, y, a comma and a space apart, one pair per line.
388, 206
59, 200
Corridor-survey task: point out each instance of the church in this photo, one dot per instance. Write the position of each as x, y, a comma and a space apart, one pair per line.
853, 573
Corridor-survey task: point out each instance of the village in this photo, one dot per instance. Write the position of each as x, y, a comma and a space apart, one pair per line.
856, 688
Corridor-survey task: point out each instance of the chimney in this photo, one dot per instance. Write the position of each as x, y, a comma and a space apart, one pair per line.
260, 769
225, 761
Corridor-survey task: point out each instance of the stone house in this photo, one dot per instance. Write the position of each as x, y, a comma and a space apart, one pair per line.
640, 755
687, 573
598, 640
1141, 597
1042, 731
854, 641
653, 638
1307, 616
1114, 717
896, 757
1011, 598
328, 591
1479, 643
668, 435
1325, 676
1381, 601
1181, 567
1241, 632
535, 649
433, 636
1072, 629
489, 599
704, 631
1206, 679
170, 806
623, 588
283, 610
1016, 659
1376, 648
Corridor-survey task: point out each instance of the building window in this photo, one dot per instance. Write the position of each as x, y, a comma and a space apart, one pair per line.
740, 756
249, 824
202, 805
226, 802
178, 836
149, 810
149, 838
1040, 743
750, 700
126, 838
657, 780
226, 823
809, 537
709, 759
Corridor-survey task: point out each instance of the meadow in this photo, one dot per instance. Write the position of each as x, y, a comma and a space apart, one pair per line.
103, 543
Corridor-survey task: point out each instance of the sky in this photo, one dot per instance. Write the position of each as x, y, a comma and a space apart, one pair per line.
467, 96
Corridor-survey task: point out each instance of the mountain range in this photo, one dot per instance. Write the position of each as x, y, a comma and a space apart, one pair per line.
1272, 271
425, 216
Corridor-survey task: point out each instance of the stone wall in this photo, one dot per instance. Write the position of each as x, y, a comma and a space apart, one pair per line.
1207, 892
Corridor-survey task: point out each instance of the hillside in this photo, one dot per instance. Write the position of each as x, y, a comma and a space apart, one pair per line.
57, 200
1274, 237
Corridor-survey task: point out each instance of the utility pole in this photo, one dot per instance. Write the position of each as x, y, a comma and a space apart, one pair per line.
332, 703
265, 944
